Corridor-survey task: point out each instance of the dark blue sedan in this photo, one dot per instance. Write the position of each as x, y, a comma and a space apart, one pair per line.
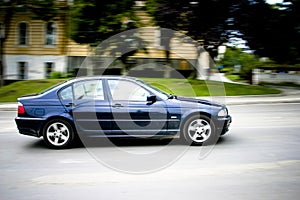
111, 106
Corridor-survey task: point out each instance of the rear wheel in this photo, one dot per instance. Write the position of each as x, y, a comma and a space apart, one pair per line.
58, 133
199, 130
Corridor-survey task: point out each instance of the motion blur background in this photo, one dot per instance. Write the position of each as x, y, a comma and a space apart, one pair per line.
51, 38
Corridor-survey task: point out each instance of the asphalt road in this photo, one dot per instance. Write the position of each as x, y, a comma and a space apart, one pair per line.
258, 159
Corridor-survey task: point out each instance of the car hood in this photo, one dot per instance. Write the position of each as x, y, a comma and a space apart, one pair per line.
201, 101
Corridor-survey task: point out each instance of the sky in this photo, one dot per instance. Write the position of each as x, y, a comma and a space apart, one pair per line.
274, 1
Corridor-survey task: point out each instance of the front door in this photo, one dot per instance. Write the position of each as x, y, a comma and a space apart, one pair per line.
131, 112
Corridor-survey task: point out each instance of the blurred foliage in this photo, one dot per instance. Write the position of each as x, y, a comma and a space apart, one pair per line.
57, 75
42, 9
235, 77
202, 20
271, 30
227, 70
236, 57
95, 20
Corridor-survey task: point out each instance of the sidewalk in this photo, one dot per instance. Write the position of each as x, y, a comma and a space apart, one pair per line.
289, 95
8, 106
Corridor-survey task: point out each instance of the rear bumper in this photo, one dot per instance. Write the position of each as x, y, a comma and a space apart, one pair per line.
29, 126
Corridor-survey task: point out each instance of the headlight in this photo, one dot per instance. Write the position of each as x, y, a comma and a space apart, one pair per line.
223, 113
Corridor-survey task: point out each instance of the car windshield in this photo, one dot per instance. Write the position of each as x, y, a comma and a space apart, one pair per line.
50, 88
165, 95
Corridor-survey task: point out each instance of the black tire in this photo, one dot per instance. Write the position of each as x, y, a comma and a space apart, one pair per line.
199, 130
58, 134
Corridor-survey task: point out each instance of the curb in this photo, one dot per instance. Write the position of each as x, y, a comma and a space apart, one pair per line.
8, 106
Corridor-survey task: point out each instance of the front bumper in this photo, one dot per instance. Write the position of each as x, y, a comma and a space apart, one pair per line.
223, 124
29, 126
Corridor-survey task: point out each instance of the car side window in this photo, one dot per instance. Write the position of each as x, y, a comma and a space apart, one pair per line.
89, 90
127, 90
66, 93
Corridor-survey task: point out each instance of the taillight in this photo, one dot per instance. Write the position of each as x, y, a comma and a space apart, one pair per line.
21, 109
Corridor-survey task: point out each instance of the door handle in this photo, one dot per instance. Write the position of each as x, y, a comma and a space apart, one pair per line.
70, 104
117, 105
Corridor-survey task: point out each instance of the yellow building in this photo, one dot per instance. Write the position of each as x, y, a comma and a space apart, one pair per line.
34, 48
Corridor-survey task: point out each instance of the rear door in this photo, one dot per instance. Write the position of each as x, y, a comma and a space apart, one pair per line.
87, 102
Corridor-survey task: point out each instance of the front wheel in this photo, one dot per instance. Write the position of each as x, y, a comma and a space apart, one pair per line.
199, 130
58, 134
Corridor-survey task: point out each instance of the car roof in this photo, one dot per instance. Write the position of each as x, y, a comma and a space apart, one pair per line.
84, 78
103, 77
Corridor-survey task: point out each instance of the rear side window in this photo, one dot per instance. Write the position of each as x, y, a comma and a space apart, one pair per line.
66, 93
90, 90
86, 90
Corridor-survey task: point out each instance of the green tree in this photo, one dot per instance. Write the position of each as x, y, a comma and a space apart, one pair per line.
93, 21
236, 57
204, 20
272, 31
231, 58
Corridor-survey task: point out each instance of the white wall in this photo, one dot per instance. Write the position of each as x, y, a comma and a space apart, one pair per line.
36, 65
268, 76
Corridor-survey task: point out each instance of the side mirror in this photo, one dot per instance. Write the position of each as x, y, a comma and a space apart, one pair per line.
151, 99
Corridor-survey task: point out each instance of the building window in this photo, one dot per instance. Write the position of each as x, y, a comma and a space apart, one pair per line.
2, 31
23, 33
49, 68
22, 70
50, 33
